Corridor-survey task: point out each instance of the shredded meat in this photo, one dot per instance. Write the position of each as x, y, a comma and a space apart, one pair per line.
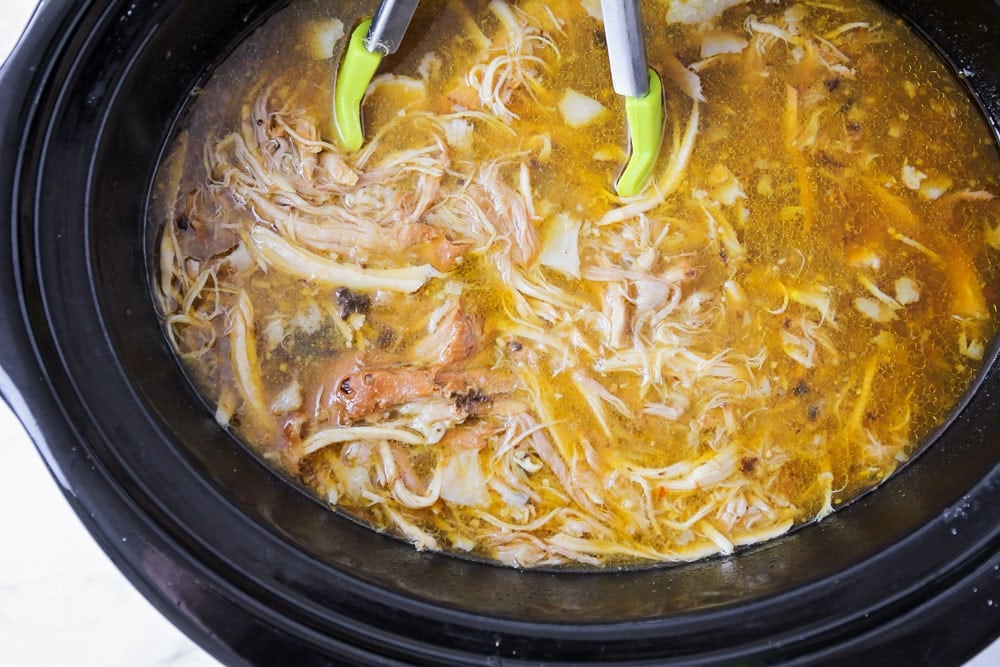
452, 342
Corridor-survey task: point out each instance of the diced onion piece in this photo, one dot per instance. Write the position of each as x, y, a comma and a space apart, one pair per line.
560, 245
579, 110
322, 37
406, 91
800, 348
698, 11
912, 177
907, 291
875, 310
734, 293
933, 188
309, 320
972, 350
463, 481
609, 153
289, 399
430, 66
274, 333
864, 257
593, 8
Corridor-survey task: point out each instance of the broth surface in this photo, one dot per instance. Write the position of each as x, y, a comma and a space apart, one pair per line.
460, 335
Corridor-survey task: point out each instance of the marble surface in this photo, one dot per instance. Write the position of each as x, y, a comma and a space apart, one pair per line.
62, 601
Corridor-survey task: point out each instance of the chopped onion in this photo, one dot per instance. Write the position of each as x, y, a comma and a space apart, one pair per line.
593, 9
560, 245
463, 481
323, 37
912, 177
578, 110
875, 310
907, 291
288, 400
933, 188
698, 11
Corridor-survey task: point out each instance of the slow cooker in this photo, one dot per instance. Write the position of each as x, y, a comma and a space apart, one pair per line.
256, 571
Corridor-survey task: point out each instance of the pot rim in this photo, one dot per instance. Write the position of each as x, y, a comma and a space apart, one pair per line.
122, 522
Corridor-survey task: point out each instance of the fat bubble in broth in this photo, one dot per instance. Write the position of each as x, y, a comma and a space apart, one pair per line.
461, 336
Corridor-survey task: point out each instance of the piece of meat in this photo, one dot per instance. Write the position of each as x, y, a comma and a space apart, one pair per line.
371, 390
289, 442
470, 436
508, 213
431, 245
485, 380
353, 388
452, 342
361, 391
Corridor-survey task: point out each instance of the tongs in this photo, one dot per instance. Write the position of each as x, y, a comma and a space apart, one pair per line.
371, 41
630, 75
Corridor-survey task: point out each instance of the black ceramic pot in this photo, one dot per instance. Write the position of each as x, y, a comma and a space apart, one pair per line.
256, 571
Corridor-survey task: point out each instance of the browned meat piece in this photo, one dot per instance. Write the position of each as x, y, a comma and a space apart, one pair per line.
472, 435
355, 388
361, 392
371, 390
483, 380
431, 245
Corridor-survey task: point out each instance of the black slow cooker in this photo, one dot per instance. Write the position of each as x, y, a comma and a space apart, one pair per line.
256, 571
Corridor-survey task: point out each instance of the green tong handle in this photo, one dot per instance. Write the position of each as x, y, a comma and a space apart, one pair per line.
644, 116
370, 41
356, 72
632, 78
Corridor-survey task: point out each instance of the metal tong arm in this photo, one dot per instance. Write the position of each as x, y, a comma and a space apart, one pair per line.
389, 25
626, 47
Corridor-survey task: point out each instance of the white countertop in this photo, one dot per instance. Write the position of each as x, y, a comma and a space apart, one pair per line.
62, 601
